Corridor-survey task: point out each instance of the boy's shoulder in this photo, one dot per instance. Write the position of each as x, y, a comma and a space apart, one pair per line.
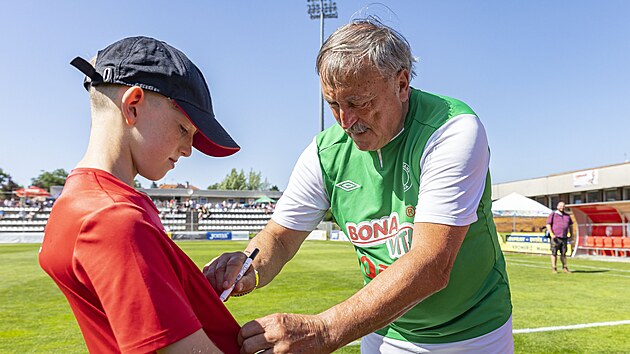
94, 199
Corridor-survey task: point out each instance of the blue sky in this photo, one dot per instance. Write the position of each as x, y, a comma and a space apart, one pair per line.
550, 80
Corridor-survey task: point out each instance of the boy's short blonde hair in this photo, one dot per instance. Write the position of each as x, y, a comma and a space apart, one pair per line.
103, 97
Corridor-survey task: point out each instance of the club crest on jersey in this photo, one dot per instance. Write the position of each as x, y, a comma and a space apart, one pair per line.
406, 177
377, 231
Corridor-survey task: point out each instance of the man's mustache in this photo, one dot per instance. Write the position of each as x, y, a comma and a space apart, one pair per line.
357, 128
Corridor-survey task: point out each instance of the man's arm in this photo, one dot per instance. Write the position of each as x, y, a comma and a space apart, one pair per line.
277, 245
197, 342
548, 226
424, 270
302, 207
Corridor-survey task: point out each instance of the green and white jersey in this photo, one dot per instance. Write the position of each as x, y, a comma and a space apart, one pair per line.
435, 170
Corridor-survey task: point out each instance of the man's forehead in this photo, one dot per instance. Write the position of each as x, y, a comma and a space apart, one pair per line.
359, 81
352, 89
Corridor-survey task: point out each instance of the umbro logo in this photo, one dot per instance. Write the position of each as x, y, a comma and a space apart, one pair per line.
347, 185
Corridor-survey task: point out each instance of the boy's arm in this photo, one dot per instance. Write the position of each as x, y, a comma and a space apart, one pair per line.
197, 342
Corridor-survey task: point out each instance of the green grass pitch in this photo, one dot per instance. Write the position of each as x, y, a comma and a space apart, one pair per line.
35, 317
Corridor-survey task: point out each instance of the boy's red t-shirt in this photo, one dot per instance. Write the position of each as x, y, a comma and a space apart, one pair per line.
131, 288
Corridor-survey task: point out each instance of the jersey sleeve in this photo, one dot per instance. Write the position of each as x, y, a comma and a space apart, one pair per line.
127, 264
453, 173
305, 202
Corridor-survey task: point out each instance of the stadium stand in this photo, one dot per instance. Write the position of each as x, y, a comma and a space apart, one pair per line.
34, 219
184, 210
214, 219
23, 219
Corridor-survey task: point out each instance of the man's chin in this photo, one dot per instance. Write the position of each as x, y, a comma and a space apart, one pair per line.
363, 146
362, 140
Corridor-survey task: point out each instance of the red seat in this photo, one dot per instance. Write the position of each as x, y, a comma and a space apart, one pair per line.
608, 242
599, 241
590, 241
618, 243
626, 244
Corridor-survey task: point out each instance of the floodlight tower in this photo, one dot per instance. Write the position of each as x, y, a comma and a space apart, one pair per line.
320, 9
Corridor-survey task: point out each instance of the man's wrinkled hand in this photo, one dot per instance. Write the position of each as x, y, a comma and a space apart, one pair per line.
222, 271
285, 333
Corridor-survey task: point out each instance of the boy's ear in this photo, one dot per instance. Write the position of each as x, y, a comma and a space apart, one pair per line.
132, 98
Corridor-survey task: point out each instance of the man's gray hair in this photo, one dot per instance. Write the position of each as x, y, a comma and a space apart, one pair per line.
367, 41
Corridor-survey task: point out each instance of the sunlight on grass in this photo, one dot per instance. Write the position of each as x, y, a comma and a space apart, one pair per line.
37, 318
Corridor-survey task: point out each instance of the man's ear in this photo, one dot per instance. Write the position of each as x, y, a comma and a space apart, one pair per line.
402, 82
132, 99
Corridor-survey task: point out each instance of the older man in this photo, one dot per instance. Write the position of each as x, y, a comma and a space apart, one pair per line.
405, 174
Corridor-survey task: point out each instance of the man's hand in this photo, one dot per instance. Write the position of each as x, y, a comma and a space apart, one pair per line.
286, 333
221, 273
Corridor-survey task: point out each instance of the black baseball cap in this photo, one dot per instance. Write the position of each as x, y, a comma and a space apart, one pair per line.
156, 66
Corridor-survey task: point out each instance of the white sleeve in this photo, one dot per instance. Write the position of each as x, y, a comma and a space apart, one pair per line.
453, 173
305, 202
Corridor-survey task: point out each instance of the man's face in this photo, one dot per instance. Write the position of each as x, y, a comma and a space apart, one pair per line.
561, 206
370, 108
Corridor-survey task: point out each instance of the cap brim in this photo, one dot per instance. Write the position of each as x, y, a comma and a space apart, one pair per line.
211, 138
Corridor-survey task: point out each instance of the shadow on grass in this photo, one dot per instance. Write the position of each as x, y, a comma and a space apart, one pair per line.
590, 271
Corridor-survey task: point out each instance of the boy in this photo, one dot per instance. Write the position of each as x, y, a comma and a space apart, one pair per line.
130, 287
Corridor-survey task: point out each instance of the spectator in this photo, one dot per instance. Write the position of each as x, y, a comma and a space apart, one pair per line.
559, 226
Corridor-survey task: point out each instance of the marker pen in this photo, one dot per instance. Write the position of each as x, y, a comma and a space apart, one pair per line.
248, 262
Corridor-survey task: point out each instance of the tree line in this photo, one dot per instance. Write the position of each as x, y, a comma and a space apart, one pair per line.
44, 180
233, 181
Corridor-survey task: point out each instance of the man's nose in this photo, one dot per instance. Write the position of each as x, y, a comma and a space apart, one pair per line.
347, 118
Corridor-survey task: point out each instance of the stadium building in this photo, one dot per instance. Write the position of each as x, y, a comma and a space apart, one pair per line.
602, 184
598, 199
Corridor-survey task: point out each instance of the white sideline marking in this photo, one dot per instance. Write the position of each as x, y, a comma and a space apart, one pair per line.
549, 329
602, 268
578, 326
581, 266
517, 263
